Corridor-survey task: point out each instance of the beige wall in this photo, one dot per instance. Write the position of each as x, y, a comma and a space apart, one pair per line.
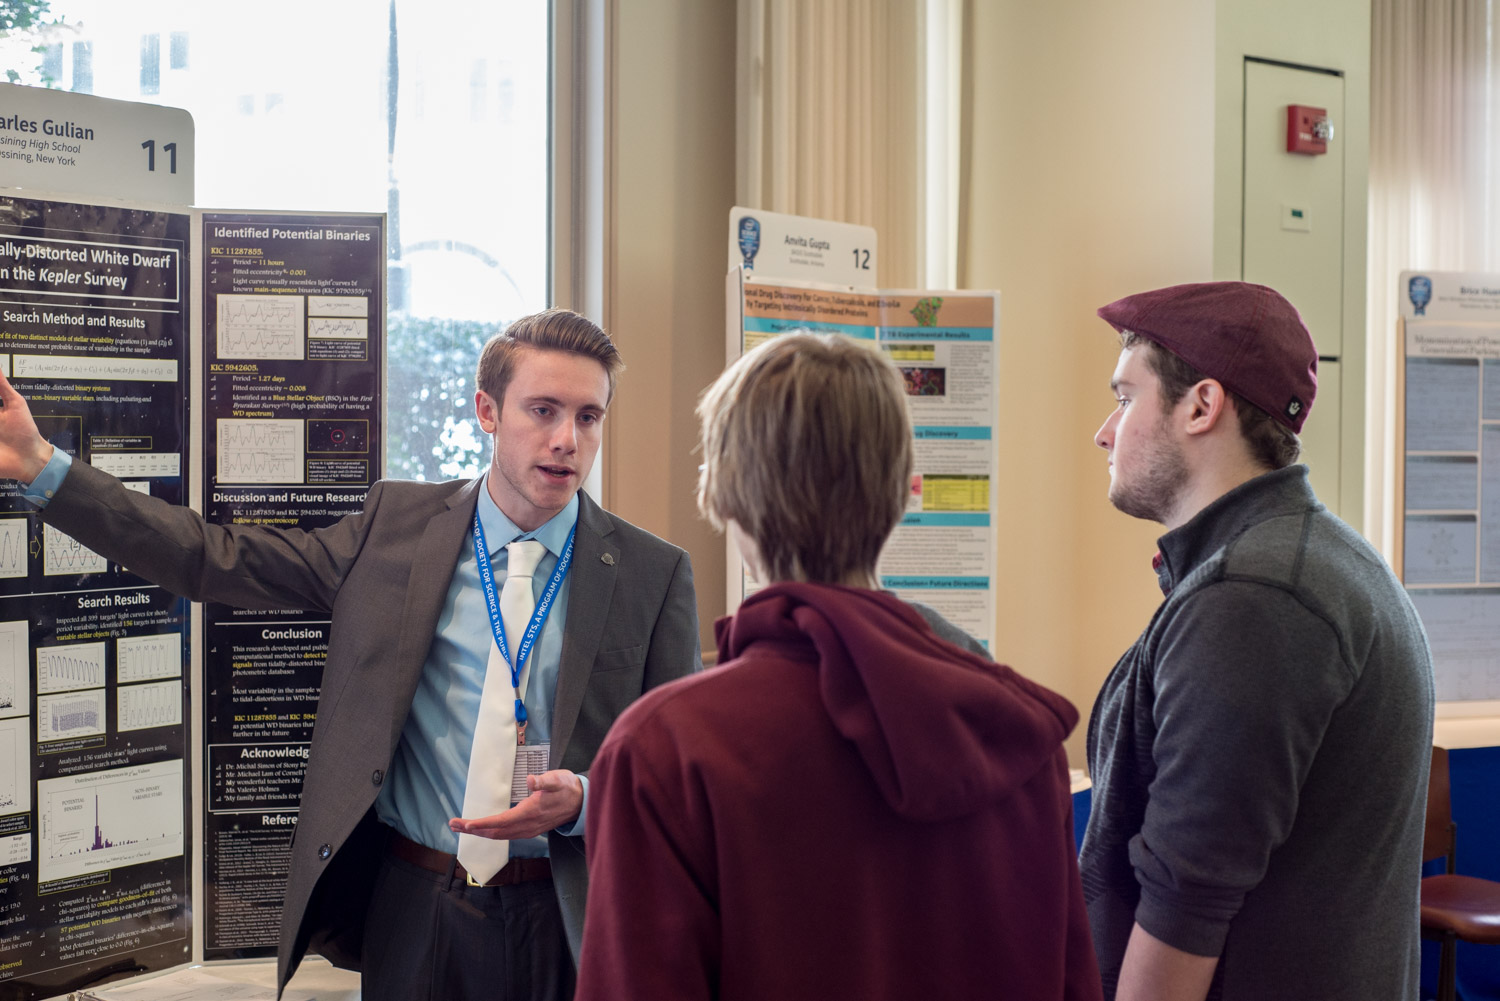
1090, 153
1090, 177
671, 185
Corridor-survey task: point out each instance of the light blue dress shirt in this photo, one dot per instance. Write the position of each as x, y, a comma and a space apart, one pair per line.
41, 489
424, 787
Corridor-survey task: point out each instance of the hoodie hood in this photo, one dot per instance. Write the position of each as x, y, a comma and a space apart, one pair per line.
943, 732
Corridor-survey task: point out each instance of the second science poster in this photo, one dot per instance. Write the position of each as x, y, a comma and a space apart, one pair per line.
293, 313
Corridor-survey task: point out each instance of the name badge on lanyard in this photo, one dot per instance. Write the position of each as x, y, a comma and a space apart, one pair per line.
538, 616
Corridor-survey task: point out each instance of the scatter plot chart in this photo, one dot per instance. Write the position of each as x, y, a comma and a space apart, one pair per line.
15, 766
64, 556
143, 706
105, 820
73, 714
15, 668
69, 668
141, 658
260, 451
13, 538
260, 326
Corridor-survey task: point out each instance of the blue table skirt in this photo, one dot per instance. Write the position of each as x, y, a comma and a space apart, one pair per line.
1081, 803
1474, 776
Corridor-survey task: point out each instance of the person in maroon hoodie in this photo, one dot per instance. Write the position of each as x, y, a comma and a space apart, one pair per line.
849, 806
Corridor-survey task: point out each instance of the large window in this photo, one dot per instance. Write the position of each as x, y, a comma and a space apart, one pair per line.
433, 111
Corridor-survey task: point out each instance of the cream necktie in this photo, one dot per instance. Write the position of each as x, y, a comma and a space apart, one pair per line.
492, 759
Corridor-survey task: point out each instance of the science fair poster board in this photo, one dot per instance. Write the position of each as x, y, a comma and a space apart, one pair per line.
293, 309
99, 779
95, 814
944, 342
1449, 480
95, 757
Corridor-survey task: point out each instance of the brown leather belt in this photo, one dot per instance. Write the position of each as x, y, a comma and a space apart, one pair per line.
517, 870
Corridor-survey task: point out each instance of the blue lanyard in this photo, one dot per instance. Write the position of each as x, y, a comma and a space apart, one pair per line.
539, 616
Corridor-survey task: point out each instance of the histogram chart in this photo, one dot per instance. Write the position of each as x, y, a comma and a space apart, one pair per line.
143, 706
13, 538
70, 667
142, 658
260, 451
260, 326
105, 820
74, 714
64, 556
15, 766
15, 668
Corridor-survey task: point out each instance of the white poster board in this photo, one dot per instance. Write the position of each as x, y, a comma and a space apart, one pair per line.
945, 344
78, 144
799, 248
1449, 479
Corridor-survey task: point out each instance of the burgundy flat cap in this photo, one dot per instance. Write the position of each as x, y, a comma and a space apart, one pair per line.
1246, 336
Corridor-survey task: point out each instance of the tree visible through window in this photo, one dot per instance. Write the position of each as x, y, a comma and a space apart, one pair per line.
434, 112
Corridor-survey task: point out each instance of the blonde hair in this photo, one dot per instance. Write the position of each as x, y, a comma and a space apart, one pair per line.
549, 330
807, 446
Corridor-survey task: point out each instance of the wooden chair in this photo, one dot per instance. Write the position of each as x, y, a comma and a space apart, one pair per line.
1454, 908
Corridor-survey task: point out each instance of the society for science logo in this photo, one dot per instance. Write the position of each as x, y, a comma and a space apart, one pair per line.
1419, 290
749, 240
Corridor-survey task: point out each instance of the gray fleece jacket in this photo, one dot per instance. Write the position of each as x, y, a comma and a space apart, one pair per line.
1260, 758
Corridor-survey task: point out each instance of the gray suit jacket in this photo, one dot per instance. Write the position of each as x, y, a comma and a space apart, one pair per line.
384, 574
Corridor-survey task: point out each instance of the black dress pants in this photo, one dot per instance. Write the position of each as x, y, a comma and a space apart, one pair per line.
429, 937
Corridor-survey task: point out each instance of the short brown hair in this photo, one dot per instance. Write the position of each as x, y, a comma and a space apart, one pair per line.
549, 330
807, 446
1271, 443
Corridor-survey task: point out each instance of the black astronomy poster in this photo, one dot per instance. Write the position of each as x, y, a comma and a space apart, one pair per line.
95, 825
293, 338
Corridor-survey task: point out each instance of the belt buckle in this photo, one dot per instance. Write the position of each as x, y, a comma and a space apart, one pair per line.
469, 876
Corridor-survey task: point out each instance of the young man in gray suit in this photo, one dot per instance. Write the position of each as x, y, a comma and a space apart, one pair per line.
375, 883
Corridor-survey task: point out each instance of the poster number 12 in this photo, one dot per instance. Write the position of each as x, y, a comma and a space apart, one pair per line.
862, 260
170, 149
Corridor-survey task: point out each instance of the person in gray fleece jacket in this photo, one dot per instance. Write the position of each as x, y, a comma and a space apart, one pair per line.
1260, 755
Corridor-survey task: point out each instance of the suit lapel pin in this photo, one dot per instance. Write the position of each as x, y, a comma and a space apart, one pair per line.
607, 559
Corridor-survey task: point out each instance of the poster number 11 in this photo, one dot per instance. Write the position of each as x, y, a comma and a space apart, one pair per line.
170, 149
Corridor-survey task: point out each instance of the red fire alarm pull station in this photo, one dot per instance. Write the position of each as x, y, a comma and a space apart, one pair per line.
1308, 129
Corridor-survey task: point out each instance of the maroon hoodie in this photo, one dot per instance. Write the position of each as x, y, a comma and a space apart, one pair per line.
848, 807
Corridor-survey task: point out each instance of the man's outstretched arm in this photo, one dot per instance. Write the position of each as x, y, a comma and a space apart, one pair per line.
23, 450
172, 545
